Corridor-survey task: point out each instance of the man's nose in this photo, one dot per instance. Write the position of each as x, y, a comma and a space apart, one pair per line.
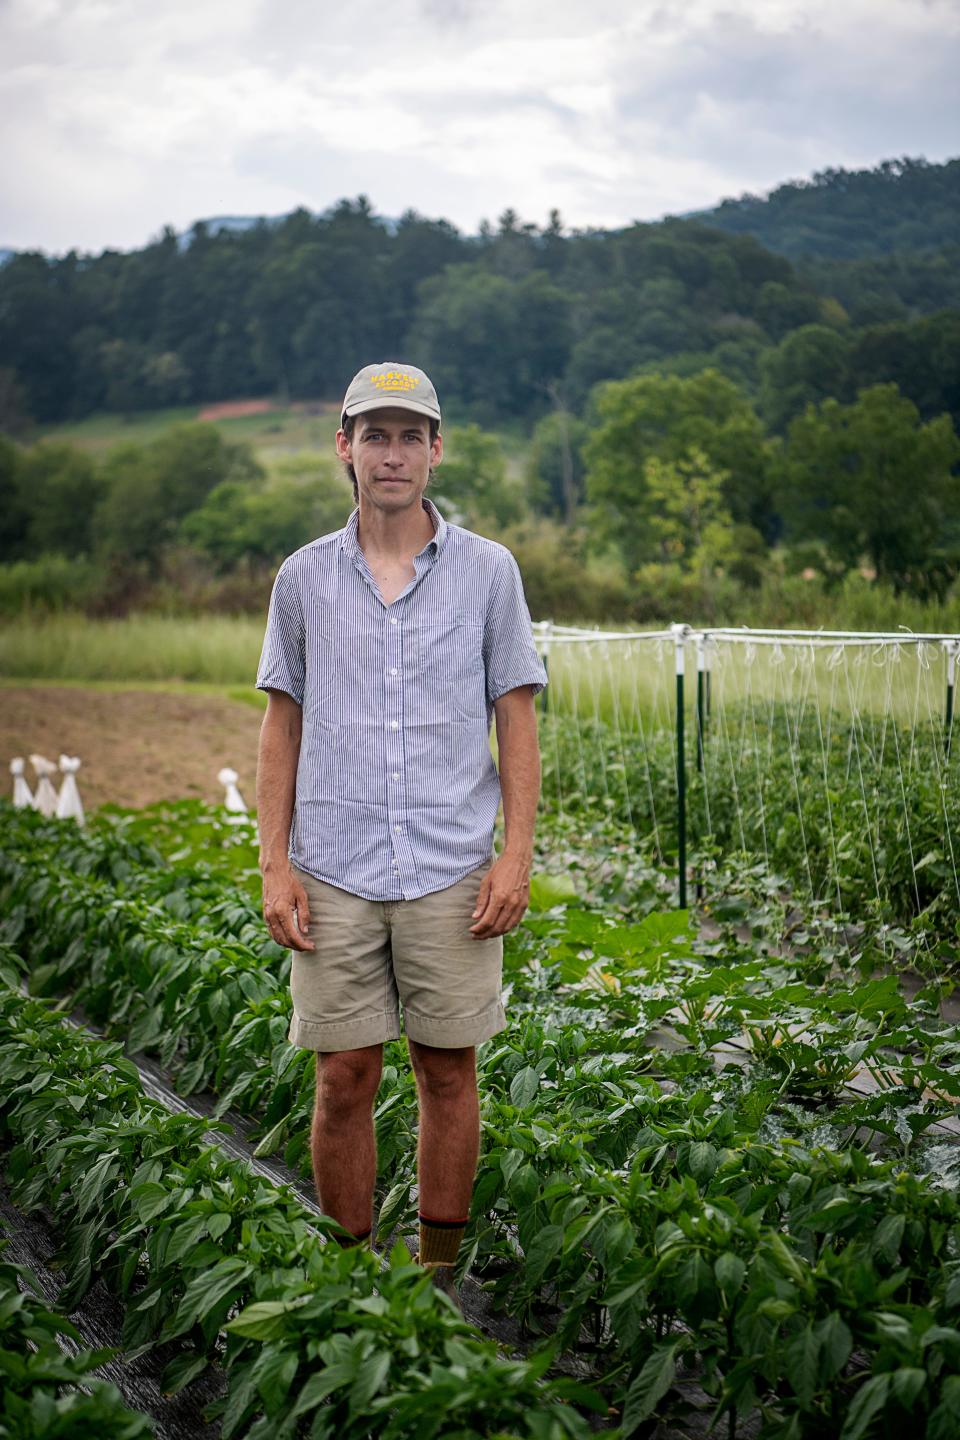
393, 456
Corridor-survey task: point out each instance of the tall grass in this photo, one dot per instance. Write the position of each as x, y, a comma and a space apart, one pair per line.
214, 650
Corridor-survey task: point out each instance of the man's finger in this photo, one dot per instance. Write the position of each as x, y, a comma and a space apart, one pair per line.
483, 896
482, 929
303, 909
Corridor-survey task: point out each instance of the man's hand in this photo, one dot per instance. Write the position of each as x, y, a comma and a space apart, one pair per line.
504, 896
286, 909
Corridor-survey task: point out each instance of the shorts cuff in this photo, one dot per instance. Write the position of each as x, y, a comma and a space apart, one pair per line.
457, 1031
344, 1034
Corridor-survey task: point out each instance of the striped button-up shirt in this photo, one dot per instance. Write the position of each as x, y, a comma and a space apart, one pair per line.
397, 792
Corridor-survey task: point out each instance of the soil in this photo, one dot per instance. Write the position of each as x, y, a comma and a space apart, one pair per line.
135, 747
236, 409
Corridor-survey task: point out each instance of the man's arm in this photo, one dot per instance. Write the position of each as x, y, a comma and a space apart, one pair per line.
276, 791
505, 891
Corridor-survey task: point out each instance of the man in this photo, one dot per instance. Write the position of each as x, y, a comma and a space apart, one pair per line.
390, 646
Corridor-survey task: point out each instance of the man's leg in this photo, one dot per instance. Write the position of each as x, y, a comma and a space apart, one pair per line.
342, 1141
449, 1146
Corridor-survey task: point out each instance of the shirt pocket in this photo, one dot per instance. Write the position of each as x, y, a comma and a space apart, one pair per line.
446, 667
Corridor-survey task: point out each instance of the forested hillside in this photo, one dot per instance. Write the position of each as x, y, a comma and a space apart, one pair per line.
660, 420
513, 322
848, 214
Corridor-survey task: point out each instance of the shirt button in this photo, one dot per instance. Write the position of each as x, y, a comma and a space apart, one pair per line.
396, 774
393, 670
394, 724
393, 619
398, 828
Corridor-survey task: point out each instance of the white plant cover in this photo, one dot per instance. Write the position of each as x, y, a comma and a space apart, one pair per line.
22, 794
234, 801
45, 796
69, 806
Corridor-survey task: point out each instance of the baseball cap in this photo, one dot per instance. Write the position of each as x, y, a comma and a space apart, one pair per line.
391, 383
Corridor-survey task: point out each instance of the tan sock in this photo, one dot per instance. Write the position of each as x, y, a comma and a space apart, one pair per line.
440, 1240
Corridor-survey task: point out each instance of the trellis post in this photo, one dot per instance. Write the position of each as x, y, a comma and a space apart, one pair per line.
680, 633
702, 681
953, 646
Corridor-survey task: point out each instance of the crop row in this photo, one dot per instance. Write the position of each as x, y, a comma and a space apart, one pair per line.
859, 815
216, 1266
627, 1196
47, 1393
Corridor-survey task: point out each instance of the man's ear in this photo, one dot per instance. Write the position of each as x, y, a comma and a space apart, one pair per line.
343, 447
436, 451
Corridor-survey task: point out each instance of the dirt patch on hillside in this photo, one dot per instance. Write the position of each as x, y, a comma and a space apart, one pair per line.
135, 747
236, 409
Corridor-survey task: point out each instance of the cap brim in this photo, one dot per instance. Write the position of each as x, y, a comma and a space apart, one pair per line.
392, 402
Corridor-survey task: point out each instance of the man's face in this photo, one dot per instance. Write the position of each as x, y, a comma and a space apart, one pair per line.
392, 455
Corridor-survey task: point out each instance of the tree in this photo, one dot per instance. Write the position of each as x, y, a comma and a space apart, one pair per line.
150, 488
248, 520
811, 364
13, 510
59, 488
669, 417
689, 521
871, 479
473, 478
555, 466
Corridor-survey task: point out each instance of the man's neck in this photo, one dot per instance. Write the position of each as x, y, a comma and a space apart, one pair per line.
400, 535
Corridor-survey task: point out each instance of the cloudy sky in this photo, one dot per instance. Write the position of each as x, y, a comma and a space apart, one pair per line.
120, 116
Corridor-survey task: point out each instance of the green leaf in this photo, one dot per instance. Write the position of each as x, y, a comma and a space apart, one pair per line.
730, 1272
869, 1399
801, 1358
702, 1160
319, 1386
150, 1200
218, 1224
209, 1288
373, 1372
523, 1186
393, 1207
908, 1381
274, 1373
524, 1086
545, 1246
650, 1386
836, 1343
273, 1139
264, 1319
181, 1370
887, 1237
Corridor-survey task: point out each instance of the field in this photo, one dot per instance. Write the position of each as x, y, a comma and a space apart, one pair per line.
719, 1172
279, 429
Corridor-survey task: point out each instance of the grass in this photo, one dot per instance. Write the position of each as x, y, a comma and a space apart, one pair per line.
282, 430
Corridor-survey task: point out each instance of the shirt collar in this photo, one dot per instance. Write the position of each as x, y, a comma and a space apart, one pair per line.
349, 542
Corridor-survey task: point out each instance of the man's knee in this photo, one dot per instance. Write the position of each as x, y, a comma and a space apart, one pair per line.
348, 1079
444, 1074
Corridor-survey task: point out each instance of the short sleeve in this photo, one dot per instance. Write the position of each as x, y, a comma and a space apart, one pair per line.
509, 654
283, 658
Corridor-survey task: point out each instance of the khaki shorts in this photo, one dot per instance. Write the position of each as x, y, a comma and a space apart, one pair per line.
373, 956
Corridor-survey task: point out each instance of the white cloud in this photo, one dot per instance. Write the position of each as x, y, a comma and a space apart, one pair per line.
120, 118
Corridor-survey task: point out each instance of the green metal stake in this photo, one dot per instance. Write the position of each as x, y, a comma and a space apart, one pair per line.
679, 635
952, 647
701, 698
